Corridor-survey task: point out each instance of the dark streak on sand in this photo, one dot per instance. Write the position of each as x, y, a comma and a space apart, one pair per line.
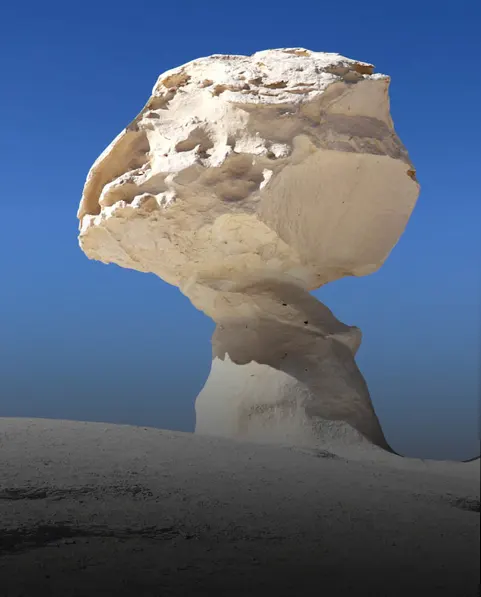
471, 505
42, 535
57, 494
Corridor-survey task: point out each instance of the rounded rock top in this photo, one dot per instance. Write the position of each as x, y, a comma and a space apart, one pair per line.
270, 76
283, 163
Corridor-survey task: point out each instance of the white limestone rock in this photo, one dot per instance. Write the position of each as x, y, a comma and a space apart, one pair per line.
248, 181
284, 162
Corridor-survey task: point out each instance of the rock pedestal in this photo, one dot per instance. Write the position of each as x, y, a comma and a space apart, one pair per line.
249, 181
283, 371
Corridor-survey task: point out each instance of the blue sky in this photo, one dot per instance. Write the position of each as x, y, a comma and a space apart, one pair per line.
82, 340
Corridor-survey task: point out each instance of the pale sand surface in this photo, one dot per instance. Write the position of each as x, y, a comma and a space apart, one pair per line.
90, 509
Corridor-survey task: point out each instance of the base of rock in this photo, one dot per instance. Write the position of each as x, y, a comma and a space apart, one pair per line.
258, 403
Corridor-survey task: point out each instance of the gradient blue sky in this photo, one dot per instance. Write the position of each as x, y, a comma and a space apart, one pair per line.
82, 340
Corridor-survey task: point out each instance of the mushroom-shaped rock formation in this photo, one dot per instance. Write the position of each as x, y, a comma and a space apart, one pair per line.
248, 181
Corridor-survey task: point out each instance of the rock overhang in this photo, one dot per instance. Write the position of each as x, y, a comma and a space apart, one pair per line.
284, 163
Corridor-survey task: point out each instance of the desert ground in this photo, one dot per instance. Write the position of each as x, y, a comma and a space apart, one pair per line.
91, 509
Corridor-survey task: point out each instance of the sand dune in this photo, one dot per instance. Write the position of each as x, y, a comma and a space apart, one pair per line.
89, 509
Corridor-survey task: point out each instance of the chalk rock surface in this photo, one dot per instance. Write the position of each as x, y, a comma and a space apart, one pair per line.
248, 181
281, 162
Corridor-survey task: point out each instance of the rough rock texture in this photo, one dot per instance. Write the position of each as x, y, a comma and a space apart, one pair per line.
248, 181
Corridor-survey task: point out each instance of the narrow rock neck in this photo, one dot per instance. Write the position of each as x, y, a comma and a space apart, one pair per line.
283, 328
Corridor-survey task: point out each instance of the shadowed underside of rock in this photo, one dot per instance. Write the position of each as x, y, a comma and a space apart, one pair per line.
248, 181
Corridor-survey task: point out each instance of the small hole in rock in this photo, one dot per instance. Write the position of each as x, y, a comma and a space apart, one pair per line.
276, 85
